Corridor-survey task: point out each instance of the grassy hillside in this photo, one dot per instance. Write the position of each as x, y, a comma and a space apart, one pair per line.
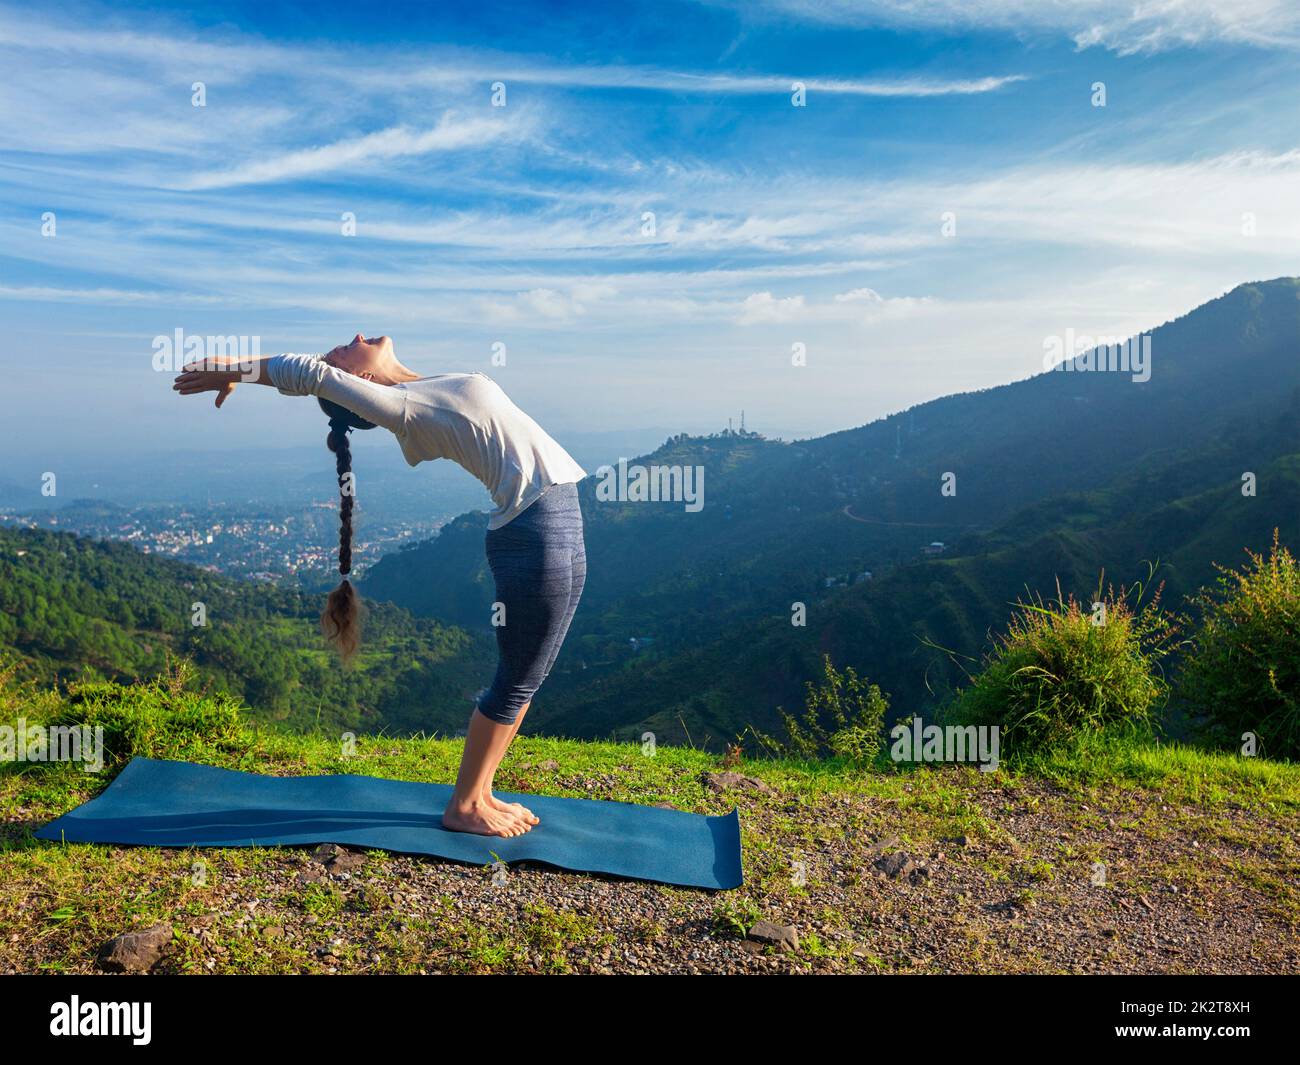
992, 872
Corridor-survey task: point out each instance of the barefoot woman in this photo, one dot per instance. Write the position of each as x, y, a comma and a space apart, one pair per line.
534, 540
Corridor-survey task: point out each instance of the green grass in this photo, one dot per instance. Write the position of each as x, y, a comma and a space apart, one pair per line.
1182, 772
226, 906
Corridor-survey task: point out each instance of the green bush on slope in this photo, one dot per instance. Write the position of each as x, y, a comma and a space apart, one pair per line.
843, 718
1243, 674
1061, 672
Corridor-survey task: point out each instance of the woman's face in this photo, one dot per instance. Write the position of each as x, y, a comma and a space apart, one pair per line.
370, 358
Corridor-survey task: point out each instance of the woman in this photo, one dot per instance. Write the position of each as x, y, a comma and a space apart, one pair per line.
534, 540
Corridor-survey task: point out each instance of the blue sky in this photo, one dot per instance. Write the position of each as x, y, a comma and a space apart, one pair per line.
522, 225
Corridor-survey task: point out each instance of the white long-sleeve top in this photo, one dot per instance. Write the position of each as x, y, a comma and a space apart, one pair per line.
465, 417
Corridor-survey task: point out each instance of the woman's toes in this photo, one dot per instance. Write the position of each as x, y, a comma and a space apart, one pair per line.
525, 813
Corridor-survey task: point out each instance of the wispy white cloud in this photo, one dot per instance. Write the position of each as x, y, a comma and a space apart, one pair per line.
762, 308
233, 58
549, 304
361, 154
749, 85
271, 117
104, 296
1127, 27
741, 249
861, 306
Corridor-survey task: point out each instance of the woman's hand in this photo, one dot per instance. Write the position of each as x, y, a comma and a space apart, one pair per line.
210, 375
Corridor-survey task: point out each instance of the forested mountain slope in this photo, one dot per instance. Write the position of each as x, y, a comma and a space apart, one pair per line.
1061, 475
73, 607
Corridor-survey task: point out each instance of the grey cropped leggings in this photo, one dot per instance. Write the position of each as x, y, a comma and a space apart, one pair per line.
539, 563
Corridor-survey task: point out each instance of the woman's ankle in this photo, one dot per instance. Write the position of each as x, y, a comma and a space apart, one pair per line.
467, 803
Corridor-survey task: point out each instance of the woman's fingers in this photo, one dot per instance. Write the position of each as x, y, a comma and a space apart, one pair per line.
208, 376
193, 382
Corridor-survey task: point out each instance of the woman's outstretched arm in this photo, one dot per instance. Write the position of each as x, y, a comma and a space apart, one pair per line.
298, 375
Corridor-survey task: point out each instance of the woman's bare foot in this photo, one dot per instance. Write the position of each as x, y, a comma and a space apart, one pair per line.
484, 820
510, 807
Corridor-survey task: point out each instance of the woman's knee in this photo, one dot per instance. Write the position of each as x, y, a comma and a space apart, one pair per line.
503, 709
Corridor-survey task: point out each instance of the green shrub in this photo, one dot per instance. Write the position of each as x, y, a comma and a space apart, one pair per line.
1061, 672
843, 717
165, 718
1243, 673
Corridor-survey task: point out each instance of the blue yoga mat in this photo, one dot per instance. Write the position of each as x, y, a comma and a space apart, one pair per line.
178, 804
